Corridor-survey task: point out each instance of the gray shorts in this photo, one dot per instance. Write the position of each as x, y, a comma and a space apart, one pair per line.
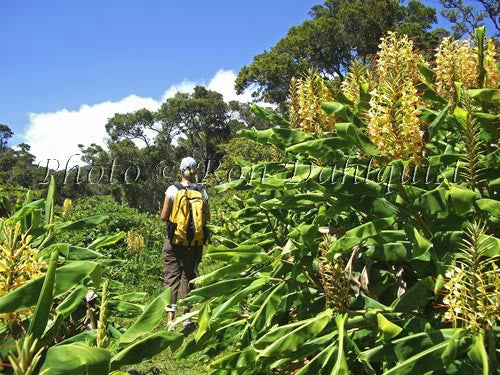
180, 267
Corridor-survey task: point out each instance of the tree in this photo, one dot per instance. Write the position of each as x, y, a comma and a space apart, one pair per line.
466, 18
133, 125
187, 124
5, 135
202, 118
338, 32
16, 164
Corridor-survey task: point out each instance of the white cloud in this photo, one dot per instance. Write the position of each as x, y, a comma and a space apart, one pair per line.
223, 82
184, 86
56, 135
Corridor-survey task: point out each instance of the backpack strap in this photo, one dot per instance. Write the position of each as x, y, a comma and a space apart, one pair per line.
179, 186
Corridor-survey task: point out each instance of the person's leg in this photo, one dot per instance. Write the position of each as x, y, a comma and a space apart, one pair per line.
191, 259
172, 275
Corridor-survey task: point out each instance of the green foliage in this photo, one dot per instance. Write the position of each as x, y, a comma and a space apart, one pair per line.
141, 269
269, 308
59, 337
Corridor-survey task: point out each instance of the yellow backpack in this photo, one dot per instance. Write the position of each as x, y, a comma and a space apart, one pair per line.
187, 218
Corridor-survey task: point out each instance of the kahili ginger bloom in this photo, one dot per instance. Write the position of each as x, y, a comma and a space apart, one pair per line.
456, 61
393, 122
492, 78
472, 290
135, 242
18, 261
306, 96
67, 206
358, 74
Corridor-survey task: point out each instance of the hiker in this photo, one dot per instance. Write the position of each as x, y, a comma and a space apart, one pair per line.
185, 209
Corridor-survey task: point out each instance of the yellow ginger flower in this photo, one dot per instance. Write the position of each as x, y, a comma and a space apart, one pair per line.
358, 74
492, 79
472, 290
459, 302
456, 61
135, 242
18, 262
393, 122
397, 57
306, 95
67, 206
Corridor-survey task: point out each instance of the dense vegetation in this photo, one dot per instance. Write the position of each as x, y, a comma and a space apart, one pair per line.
355, 229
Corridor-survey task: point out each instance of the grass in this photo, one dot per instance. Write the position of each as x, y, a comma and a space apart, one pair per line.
165, 363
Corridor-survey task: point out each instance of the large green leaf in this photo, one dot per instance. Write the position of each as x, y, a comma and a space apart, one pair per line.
124, 309
430, 94
282, 339
222, 287
421, 246
203, 322
107, 240
280, 137
237, 297
340, 367
428, 359
319, 362
146, 348
490, 206
438, 122
71, 302
386, 328
417, 296
343, 112
390, 252
49, 202
242, 253
429, 74
76, 359
24, 211
219, 273
45, 299
486, 95
401, 349
267, 115
326, 148
357, 235
478, 353
149, 319
236, 361
82, 253
264, 315
357, 138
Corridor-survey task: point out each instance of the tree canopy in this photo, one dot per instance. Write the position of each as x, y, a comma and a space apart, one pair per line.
338, 32
466, 18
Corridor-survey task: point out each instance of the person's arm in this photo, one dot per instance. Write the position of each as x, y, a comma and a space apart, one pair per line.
207, 205
207, 213
165, 212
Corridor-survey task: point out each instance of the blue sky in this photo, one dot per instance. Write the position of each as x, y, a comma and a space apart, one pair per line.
62, 54
65, 57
